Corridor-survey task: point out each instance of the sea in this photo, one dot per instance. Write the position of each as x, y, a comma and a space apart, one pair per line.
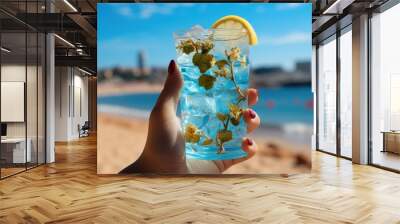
287, 110
276, 106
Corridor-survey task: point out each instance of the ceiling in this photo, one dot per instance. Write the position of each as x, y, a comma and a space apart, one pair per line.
331, 15
74, 22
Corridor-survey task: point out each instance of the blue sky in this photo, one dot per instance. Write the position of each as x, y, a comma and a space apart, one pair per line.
283, 29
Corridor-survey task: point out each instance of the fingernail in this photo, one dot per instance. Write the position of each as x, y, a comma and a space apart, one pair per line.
249, 142
171, 67
252, 114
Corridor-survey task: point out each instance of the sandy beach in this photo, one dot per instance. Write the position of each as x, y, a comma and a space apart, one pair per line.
122, 134
113, 88
121, 140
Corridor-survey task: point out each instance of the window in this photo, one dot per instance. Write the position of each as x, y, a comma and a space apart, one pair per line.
346, 92
385, 89
327, 96
22, 86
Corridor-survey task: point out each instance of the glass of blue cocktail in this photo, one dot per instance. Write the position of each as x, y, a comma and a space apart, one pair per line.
215, 68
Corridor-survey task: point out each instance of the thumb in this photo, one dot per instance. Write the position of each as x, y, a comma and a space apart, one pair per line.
169, 96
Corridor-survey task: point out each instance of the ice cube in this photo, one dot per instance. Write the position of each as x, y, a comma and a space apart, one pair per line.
225, 98
198, 105
184, 59
197, 32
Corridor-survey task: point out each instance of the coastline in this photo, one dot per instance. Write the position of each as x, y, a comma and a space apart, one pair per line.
123, 111
292, 132
122, 134
122, 138
119, 88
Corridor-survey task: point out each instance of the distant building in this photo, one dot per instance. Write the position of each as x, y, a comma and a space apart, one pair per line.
277, 76
108, 74
304, 67
141, 59
267, 70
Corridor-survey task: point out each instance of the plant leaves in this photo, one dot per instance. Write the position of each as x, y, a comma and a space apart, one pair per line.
190, 133
203, 61
224, 136
221, 63
235, 121
208, 141
235, 111
234, 54
223, 72
221, 116
187, 46
188, 49
195, 138
206, 46
207, 81
203, 67
196, 59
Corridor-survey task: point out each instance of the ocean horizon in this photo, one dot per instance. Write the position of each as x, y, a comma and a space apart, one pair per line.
276, 106
285, 112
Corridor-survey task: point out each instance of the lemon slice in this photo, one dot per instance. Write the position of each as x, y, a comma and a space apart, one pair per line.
237, 22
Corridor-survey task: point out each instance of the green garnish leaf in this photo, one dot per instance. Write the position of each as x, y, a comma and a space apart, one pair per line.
187, 46
235, 121
223, 72
196, 59
207, 81
206, 46
221, 116
203, 61
221, 63
191, 134
208, 141
224, 136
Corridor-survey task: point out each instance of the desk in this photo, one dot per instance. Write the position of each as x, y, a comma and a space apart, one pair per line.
13, 150
391, 141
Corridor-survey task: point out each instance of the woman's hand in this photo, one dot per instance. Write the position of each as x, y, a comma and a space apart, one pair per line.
164, 151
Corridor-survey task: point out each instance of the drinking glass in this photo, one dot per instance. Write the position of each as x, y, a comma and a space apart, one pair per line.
215, 68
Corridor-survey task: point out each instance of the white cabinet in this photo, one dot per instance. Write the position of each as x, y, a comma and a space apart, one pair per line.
17, 147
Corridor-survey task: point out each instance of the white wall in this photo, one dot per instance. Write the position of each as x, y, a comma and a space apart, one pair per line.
81, 100
71, 93
62, 81
15, 72
13, 101
33, 127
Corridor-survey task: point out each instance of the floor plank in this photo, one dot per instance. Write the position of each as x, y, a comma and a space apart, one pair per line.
69, 191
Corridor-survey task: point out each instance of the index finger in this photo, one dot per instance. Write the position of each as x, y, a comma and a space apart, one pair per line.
252, 96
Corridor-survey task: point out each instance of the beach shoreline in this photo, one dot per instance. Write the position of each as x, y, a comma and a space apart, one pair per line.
282, 132
122, 134
119, 88
121, 141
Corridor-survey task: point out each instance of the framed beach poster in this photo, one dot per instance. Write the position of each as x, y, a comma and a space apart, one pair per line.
201, 88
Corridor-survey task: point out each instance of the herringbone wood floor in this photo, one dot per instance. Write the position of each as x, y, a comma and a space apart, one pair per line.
69, 191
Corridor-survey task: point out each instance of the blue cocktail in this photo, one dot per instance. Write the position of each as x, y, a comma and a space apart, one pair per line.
215, 68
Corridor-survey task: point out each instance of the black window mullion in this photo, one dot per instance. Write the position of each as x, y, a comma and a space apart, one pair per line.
45, 94
316, 97
37, 90
369, 95
26, 87
338, 76
0, 97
